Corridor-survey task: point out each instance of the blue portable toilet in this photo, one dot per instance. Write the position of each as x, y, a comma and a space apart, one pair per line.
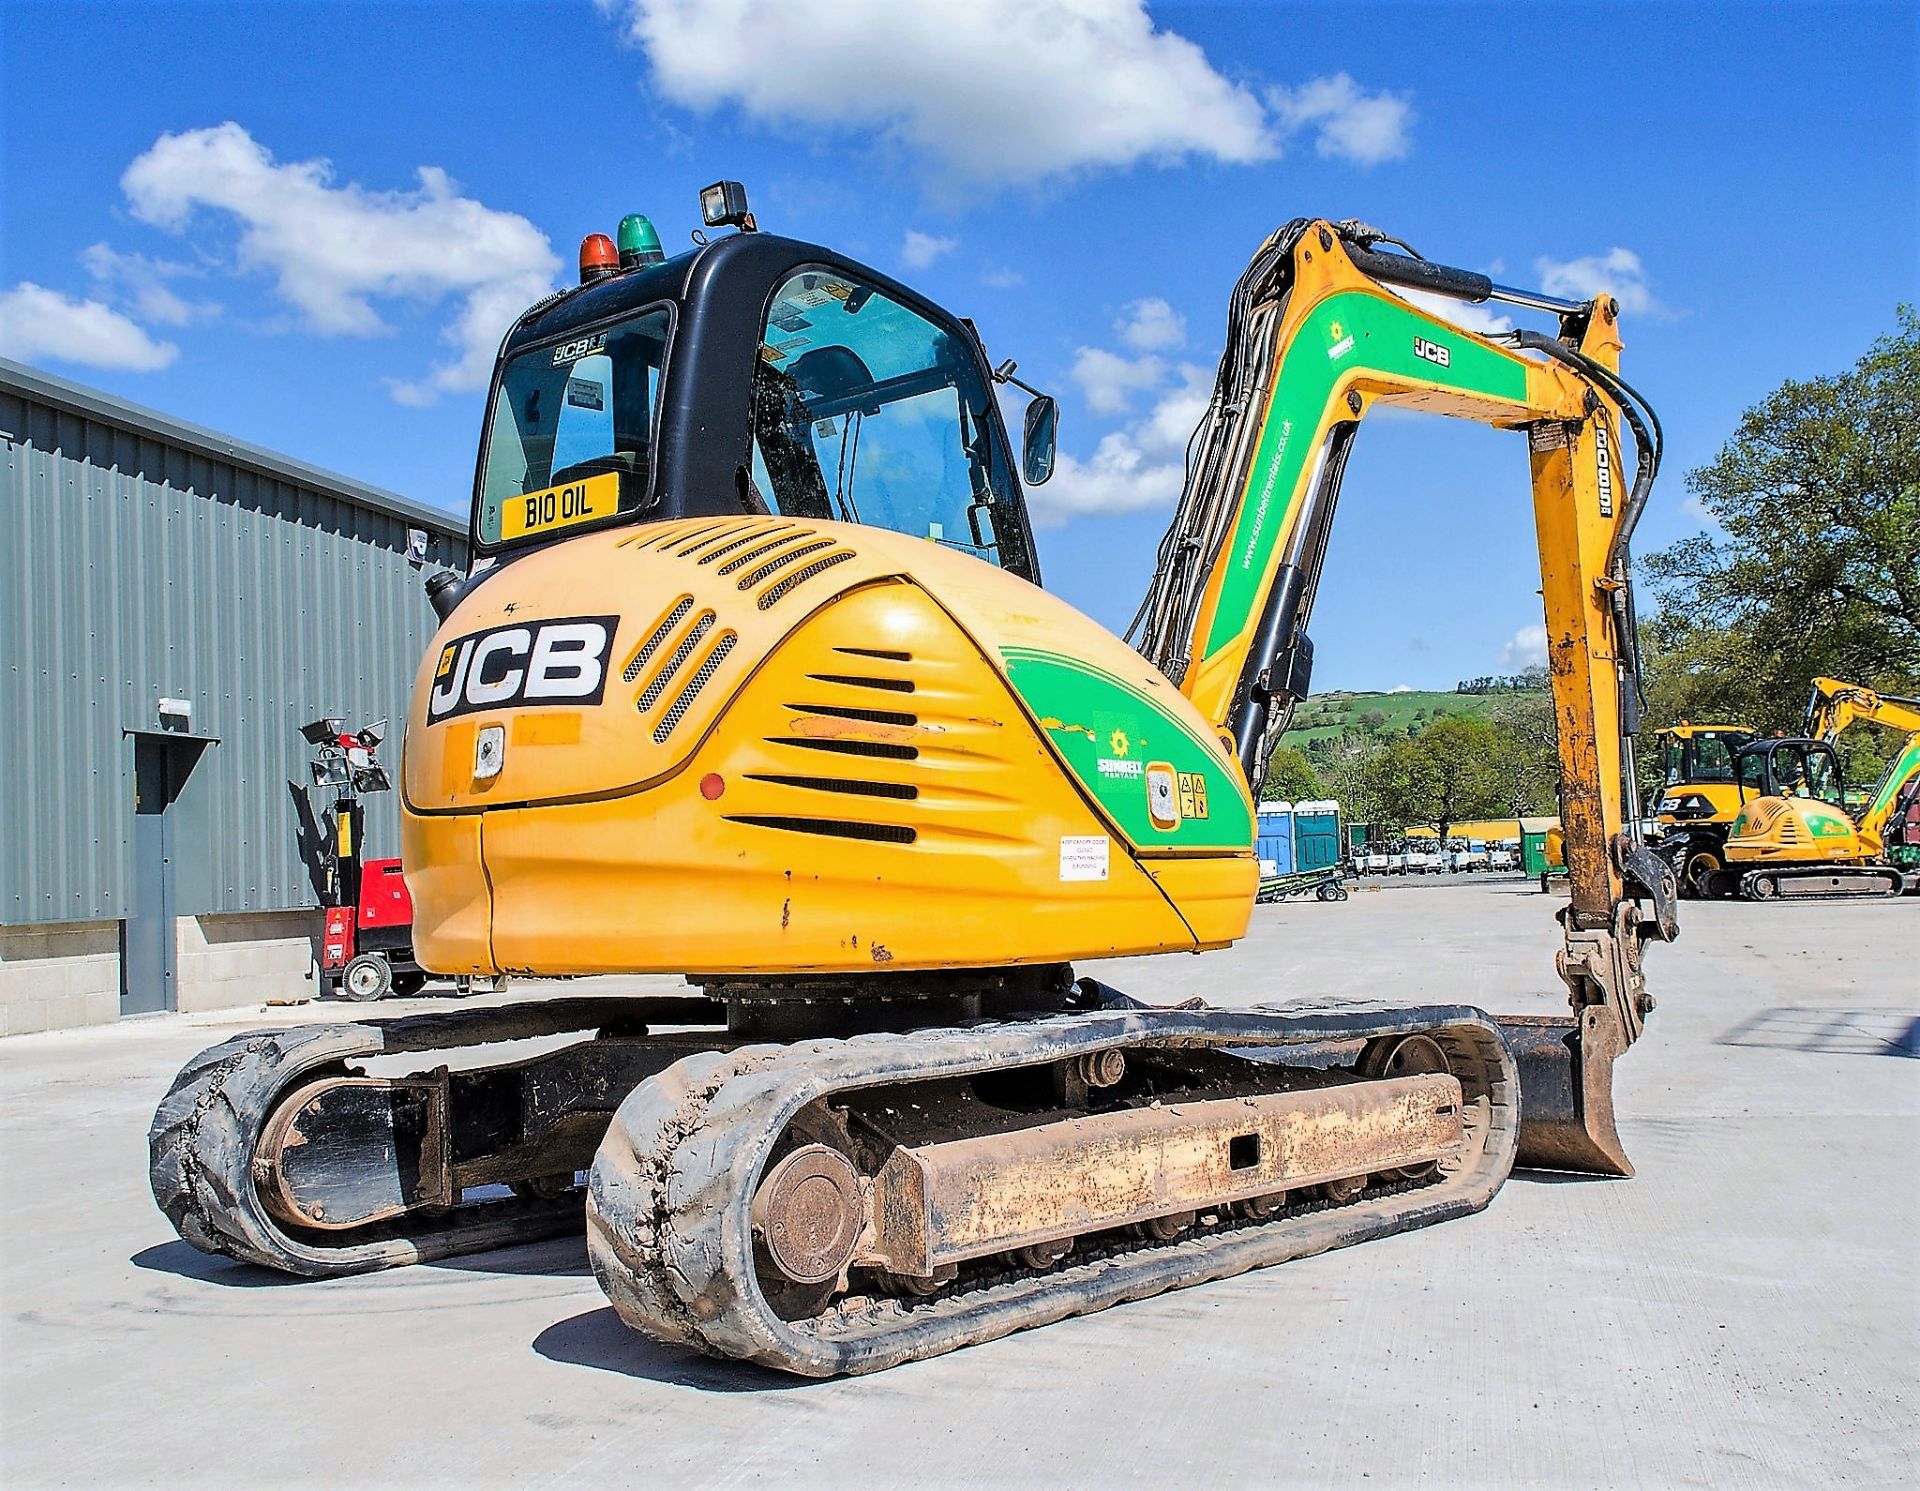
1316, 836
1274, 843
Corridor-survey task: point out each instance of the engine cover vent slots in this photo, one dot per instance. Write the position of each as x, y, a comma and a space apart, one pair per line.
709, 537
658, 635
905, 791
661, 542
738, 538
780, 561
850, 712
651, 694
748, 556
860, 681
800, 576
708, 667
879, 652
878, 833
849, 747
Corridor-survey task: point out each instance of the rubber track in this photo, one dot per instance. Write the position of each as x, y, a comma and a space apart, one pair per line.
1783, 875
200, 1146
670, 1240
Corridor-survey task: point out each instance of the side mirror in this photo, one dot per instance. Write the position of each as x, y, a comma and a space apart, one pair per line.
1037, 443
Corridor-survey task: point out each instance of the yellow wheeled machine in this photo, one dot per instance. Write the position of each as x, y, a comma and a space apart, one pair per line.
754, 683
1699, 799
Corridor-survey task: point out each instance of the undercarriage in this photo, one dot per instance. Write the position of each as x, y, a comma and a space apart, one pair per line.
1808, 882
967, 1156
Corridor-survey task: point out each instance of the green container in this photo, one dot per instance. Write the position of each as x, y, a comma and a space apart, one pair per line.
1533, 854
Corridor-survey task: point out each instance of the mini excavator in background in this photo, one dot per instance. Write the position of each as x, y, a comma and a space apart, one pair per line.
1793, 837
753, 682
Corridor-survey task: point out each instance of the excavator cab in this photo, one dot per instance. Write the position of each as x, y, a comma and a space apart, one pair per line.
757, 376
1789, 768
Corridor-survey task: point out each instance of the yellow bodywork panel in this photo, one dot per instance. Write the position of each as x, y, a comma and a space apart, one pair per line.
835, 779
1794, 830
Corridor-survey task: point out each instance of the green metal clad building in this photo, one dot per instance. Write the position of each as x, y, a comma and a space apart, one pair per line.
174, 605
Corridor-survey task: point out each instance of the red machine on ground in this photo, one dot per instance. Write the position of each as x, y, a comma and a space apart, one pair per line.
366, 951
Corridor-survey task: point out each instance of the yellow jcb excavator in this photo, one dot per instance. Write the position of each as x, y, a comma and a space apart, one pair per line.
1793, 836
754, 682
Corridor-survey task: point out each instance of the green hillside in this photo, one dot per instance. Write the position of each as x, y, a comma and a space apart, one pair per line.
1324, 716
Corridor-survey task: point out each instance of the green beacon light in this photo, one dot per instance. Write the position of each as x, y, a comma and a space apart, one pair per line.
639, 243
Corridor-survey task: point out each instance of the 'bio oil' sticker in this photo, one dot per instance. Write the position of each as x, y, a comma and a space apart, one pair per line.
1083, 858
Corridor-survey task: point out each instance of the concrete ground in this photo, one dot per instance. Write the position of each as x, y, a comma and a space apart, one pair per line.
1743, 1313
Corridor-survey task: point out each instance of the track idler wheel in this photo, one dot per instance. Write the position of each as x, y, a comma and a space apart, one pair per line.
1396, 1056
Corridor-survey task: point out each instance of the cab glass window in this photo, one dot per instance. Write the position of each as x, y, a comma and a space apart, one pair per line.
1712, 759
1803, 772
572, 434
866, 412
1672, 755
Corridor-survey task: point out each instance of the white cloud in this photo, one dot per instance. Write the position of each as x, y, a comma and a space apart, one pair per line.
921, 249
1142, 466
1526, 648
1120, 477
988, 91
1401, 688
143, 283
1002, 278
1618, 273
333, 249
38, 324
1110, 381
1151, 325
1349, 123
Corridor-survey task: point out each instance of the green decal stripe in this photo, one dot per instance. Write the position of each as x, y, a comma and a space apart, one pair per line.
1898, 775
1108, 731
1374, 334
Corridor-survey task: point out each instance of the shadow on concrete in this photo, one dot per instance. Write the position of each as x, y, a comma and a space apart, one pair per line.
551, 1258
184, 1261
1558, 1178
1793, 1027
599, 1339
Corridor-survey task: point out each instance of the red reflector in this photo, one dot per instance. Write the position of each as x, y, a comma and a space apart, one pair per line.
598, 258
712, 785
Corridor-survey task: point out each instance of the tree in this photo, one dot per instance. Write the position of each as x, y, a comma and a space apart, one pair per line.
1447, 773
1527, 761
1291, 777
1816, 568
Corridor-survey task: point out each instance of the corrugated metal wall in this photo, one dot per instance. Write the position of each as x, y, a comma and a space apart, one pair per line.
134, 564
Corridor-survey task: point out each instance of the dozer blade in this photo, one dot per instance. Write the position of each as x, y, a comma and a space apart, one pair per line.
1566, 1091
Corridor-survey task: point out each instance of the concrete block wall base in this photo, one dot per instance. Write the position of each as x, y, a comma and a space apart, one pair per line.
59, 975
246, 958
56, 976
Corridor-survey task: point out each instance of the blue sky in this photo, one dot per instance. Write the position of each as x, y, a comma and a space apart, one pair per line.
305, 225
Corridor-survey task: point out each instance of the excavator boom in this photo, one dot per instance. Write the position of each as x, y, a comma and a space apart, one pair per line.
1835, 706
1316, 340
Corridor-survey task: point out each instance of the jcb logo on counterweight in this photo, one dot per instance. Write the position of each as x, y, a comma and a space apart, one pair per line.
563, 661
